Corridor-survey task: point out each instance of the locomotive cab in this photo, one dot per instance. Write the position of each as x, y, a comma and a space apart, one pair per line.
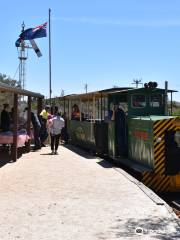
145, 102
134, 102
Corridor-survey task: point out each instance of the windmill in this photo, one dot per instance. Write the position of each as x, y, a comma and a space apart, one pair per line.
23, 49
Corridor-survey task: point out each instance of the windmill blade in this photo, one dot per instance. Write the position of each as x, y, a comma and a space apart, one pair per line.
35, 47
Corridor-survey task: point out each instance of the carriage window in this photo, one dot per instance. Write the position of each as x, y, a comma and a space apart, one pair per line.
86, 110
138, 101
156, 100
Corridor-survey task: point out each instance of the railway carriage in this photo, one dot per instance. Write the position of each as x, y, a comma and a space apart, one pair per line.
131, 126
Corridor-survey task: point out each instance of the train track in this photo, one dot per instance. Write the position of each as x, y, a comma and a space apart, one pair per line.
173, 200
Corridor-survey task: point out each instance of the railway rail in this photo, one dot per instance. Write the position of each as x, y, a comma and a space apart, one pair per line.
173, 200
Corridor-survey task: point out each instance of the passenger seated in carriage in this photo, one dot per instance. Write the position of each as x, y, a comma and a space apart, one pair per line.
75, 112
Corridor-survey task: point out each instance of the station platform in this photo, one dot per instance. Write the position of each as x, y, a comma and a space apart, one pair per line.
76, 196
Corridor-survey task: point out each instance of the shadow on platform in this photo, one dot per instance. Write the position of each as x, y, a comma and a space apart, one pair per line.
46, 154
5, 156
158, 228
89, 155
105, 164
84, 153
150, 227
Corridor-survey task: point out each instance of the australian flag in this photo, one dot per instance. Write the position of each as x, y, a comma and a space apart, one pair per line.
17, 43
32, 33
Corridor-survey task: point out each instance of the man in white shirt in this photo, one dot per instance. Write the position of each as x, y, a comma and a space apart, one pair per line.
56, 124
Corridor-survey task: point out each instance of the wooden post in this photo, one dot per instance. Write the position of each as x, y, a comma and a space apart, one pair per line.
171, 104
39, 106
64, 105
166, 98
80, 109
101, 106
70, 110
28, 144
104, 107
94, 108
15, 121
97, 100
68, 116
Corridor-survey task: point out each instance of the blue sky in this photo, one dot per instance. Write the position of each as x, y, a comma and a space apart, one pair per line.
99, 42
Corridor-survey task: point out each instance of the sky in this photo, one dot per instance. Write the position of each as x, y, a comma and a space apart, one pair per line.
101, 43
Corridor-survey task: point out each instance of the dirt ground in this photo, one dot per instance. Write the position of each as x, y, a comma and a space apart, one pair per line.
75, 196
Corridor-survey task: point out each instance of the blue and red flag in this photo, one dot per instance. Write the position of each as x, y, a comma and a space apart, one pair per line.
17, 43
32, 33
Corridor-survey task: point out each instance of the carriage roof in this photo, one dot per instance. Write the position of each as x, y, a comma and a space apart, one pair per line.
110, 91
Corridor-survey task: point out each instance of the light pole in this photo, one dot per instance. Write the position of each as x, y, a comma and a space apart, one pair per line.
50, 87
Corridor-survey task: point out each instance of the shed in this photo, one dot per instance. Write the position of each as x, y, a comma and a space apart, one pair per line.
16, 92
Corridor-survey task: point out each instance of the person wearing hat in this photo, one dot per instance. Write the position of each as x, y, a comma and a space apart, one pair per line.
5, 118
43, 120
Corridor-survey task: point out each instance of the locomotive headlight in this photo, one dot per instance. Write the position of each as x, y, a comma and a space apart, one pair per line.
158, 140
177, 138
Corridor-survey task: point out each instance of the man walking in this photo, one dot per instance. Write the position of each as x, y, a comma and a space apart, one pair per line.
56, 124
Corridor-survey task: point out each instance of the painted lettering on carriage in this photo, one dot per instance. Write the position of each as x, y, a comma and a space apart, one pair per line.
80, 134
140, 134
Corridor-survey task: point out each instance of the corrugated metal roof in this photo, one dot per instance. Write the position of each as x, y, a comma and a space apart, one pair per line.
105, 92
7, 88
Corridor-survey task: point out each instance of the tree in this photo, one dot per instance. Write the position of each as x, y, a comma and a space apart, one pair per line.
7, 80
175, 108
7, 97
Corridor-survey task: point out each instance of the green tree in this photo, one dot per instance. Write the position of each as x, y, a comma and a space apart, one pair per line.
8, 80
176, 111
6, 97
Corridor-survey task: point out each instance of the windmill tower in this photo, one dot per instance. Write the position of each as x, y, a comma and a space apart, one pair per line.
22, 55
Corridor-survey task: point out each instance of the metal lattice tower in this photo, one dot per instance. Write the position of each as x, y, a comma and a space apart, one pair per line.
22, 61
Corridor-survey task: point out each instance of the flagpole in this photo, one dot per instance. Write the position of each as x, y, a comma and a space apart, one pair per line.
50, 89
